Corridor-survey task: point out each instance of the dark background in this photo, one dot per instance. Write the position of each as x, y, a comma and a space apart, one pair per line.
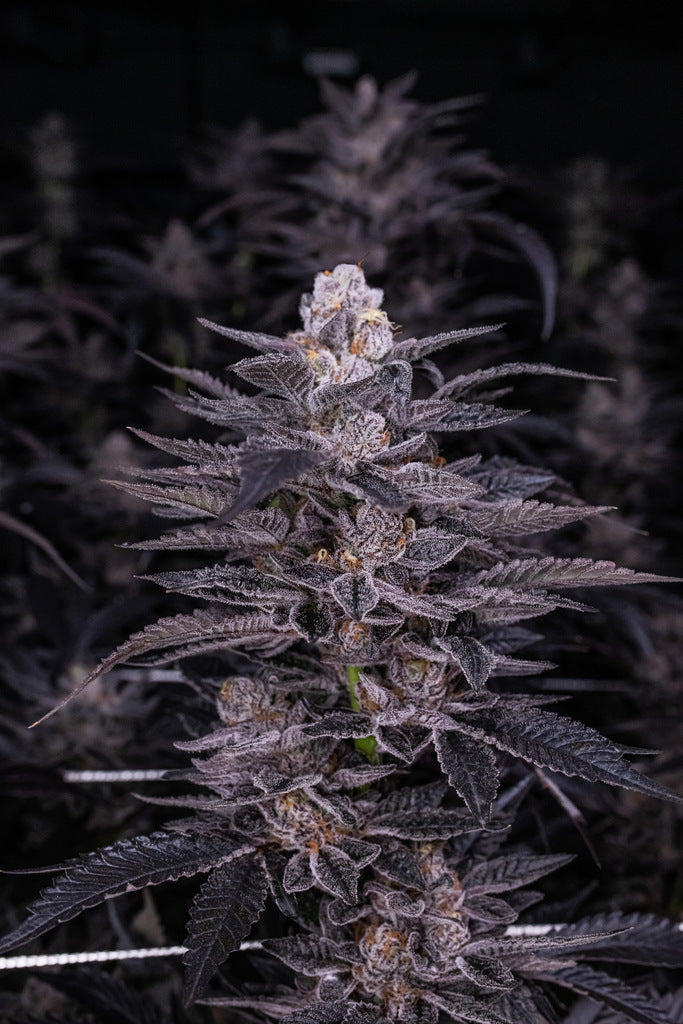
139, 80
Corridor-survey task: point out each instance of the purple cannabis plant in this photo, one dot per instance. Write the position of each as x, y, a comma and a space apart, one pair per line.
376, 173
368, 607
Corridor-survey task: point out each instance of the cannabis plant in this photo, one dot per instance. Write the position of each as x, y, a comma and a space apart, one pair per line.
378, 174
369, 601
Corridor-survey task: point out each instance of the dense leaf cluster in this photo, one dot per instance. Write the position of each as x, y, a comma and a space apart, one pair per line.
375, 591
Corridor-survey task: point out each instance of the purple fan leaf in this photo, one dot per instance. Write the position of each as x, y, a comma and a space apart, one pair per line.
124, 867
561, 572
312, 956
412, 349
262, 472
204, 630
222, 914
611, 991
502, 874
553, 741
471, 769
262, 342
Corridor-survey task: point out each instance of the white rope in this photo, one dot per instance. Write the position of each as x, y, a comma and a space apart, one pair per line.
8, 963
125, 775
151, 675
531, 929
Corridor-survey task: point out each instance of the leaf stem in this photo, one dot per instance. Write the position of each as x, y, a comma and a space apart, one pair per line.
367, 745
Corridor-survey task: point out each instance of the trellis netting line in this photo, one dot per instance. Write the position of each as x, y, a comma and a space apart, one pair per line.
100, 956
123, 775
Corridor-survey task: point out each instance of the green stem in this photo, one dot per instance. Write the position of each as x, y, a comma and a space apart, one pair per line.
367, 745
175, 343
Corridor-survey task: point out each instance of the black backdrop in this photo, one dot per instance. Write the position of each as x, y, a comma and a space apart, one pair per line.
561, 77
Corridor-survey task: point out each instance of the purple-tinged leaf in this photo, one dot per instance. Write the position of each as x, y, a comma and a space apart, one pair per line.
312, 621
487, 974
306, 574
360, 851
506, 666
336, 872
529, 1003
462, 416
473, 659
410, 798
611, 991
312, 955
262, 472
511, 946
362, 774
257, 529
503, 477
262, 342
199, 378
205, 630
378, 490
396, 743
412, 348
126, 866
336, 1013
396, 379
642, 939
397, 453
430, 606
424, 825
437, 486
553, 741
191, 499
356, 593
298, 876
431, 549
516, 517
471, 769
397, 862
337, 333
561, 572
287, 376
502, 874
213, 456
238, 414
464, 1008
272, 782
489, 909
340, 724
465, 382
401, 903
235, 584
274, 864
346, 393
342, 913
222, 914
